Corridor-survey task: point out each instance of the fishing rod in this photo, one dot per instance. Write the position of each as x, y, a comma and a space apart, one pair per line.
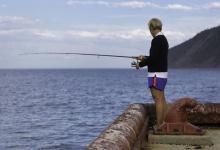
87, 54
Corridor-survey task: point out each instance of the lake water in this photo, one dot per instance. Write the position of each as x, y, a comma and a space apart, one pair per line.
67, 109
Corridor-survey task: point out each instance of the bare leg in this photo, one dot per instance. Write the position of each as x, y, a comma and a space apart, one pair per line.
161, 105
165, 105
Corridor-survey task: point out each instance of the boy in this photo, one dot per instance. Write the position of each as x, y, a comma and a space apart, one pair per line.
157, 67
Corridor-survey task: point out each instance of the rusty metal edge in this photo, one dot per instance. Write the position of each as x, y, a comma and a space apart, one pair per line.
211, 116
127, 132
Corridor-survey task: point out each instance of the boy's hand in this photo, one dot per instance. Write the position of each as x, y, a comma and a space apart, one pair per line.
140, 57
135, 64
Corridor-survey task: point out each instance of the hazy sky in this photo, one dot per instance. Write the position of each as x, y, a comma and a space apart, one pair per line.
94, 26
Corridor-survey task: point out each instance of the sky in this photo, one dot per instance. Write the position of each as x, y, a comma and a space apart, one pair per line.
94, 26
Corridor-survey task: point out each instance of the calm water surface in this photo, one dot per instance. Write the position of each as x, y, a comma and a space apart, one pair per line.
67, 109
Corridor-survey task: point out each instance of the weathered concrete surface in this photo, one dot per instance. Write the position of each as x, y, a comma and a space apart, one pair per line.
214, 134
180, 139
127, 132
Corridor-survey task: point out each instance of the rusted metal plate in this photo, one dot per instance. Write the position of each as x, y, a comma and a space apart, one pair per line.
179, 129
175, 121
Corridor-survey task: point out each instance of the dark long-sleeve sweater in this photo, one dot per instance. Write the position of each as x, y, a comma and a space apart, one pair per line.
157, 61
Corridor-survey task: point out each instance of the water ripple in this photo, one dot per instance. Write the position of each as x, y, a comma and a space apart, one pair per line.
67, 109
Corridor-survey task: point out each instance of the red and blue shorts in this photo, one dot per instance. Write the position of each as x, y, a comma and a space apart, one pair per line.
157, 83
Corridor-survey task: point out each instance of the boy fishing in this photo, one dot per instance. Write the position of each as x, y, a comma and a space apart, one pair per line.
157, 67
156, 62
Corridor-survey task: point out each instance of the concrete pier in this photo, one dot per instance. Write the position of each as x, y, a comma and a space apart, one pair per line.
204, 140
213, 134
129, 131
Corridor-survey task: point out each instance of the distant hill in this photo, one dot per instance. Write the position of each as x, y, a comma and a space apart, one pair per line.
203, 50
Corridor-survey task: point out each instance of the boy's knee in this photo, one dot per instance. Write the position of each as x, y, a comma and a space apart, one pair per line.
157, 94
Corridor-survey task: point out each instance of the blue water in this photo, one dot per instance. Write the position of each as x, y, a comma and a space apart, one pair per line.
67, 109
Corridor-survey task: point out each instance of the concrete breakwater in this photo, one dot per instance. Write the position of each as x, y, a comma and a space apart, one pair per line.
129, 131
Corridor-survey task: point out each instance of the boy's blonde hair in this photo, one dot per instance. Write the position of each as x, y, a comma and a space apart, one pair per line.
154, 24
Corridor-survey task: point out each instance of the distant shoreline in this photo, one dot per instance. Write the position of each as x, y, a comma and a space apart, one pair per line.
173, 68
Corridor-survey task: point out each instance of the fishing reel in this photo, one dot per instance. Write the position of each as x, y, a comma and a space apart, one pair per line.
138, 60
135, 64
